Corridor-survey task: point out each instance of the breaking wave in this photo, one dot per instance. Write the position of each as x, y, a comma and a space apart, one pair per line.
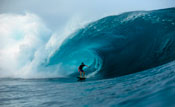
112, 46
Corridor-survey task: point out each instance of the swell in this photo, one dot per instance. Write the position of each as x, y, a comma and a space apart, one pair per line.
120, 45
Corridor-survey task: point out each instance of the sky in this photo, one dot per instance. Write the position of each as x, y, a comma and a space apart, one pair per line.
55, 13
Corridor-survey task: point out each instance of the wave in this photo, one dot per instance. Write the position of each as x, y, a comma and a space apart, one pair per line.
119, 45
112, 46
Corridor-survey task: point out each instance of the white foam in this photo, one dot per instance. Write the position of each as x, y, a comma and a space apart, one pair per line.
25, 43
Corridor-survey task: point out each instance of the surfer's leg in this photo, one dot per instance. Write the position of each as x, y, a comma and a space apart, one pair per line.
80, 73
83, 74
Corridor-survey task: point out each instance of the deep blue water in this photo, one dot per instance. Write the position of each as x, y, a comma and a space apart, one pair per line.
131, 58
153, 87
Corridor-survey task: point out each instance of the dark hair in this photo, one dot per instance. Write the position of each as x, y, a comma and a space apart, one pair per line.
82, 63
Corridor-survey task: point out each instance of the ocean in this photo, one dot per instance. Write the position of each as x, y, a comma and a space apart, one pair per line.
130, 58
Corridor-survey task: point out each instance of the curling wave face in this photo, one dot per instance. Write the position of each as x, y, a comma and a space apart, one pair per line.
120, 45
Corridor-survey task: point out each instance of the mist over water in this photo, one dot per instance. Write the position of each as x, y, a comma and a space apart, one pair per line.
26, 43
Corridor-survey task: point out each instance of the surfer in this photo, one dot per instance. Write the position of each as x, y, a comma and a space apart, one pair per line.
80, 69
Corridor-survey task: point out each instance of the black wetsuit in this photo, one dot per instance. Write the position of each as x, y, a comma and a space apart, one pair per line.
81, 67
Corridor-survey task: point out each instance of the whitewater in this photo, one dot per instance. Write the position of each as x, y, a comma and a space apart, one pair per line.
130, 57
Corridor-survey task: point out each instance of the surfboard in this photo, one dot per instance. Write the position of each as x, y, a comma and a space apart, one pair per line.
81, 78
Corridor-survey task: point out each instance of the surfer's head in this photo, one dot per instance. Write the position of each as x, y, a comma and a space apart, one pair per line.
82, 63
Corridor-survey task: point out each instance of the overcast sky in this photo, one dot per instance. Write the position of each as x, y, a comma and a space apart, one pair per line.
56, 13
